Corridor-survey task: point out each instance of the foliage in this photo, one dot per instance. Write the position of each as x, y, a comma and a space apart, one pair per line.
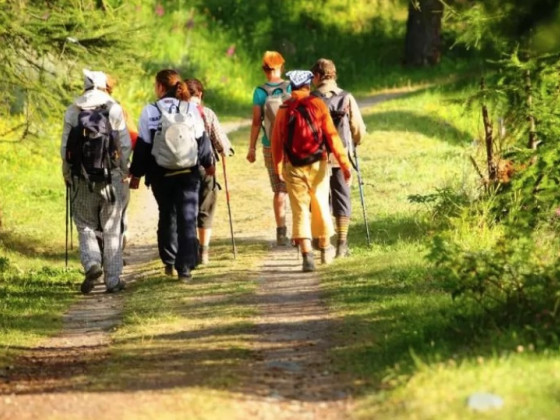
305, 31
498, 26
445, 203
46, 43
511, 281
512, 278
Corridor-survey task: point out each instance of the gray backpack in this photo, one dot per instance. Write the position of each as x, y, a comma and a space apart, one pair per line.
175, 145
339, 108
276, 95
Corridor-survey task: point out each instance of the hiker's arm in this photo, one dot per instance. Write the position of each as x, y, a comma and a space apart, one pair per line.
140, 158
218, 137
67, 126
118, 122
142, 152
277, 141
334, 142
255, 130
357, 125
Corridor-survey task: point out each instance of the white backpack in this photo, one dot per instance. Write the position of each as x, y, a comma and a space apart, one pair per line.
175, 145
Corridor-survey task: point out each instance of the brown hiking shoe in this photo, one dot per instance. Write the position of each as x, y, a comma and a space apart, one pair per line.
168, 269
185, 277
342, 250
121, 285
308, 262
92, 274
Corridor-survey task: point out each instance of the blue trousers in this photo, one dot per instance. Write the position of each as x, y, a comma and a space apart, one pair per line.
177, 199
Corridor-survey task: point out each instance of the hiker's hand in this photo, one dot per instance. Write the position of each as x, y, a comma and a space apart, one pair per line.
134, 183
281, 177
211, 170
251, 155
68, 182
347, 173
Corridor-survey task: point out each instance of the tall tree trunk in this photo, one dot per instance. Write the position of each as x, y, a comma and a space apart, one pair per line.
423, 33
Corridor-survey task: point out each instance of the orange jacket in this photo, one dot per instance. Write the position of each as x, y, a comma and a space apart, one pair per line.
279, 133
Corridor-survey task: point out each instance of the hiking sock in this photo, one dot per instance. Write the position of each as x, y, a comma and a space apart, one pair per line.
342, 223
203, 254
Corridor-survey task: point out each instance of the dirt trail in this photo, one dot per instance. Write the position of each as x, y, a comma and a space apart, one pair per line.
291, 378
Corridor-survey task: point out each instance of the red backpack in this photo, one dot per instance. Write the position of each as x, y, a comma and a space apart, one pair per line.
305, 143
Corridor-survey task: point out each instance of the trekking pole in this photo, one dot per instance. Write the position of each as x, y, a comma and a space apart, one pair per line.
67, 214
361, 188
229, 208
70, 221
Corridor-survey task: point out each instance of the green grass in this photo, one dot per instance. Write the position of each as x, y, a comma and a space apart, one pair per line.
411, 350
31, 304
528, 384
35, 289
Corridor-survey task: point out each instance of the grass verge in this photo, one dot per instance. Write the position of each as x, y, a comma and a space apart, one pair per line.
412, 351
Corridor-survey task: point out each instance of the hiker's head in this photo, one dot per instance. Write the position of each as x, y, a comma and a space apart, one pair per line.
111, 83
300, 79
94, 80
169, 83
195, 88
272, 63
324, 69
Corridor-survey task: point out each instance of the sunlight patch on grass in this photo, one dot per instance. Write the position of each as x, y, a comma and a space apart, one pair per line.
528, 385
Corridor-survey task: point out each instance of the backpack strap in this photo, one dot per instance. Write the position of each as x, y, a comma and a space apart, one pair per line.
283, 87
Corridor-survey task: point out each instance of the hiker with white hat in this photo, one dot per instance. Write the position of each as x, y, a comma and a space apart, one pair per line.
95, 149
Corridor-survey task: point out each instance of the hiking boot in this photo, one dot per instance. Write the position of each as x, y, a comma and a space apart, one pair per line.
327, 254
282, 236
308, 262
92, 274
121, 285
185, 278
168, 269
342, 250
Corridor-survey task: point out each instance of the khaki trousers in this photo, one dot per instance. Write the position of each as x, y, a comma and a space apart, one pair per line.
308, 189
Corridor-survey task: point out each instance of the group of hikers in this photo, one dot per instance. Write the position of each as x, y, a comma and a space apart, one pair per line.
306, 140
